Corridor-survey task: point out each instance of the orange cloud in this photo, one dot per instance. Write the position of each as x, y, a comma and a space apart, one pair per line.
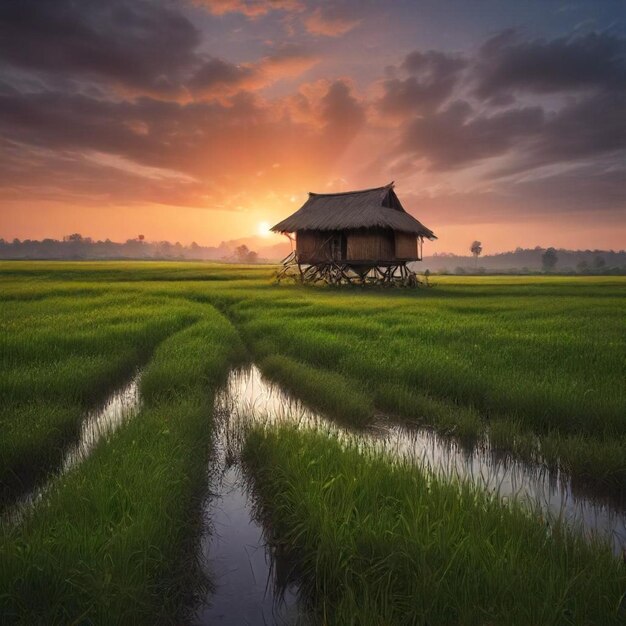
251, 8
219, 78
330, 21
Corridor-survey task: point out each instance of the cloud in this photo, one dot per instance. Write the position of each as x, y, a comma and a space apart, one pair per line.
342, 114
331, 20
432, 78
585, 122
507, 65
584, 130
588, 191
287, 60
250, 8
136, 44
222, 76
72, 177
153, 94
455, 137
217, 77
130, 81
130, 48
221, 145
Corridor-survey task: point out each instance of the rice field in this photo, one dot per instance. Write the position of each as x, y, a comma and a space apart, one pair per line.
528, 368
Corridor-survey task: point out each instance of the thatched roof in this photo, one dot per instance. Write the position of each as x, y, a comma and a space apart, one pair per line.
369, 208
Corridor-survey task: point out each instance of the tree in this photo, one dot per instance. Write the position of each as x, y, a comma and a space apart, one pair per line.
476, 248
244, 255
140, 237
549, 259
599, 262
241, 252
582, 266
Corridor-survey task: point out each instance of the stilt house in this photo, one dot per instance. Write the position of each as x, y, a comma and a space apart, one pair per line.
353, 234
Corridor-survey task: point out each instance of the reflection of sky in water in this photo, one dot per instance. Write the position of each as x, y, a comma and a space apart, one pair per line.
250, 398
101, 422
238, 561
234, 552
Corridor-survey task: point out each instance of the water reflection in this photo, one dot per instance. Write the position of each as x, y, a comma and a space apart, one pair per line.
121, 405
248, 581
248, 398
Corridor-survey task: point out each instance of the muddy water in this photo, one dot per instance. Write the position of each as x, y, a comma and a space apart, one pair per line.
121, 405
237, 554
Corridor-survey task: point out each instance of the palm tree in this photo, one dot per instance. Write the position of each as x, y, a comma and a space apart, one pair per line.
476, 248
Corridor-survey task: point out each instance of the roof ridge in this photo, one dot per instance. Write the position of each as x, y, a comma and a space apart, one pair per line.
347, 193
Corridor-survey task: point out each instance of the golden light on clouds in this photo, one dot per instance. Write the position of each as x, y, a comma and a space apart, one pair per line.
219, 133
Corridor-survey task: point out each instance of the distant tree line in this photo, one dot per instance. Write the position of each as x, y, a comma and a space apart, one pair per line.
520, 261
528, 261
77, 247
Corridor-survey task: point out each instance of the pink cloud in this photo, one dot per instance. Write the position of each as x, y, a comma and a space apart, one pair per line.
250, 8
220, 79
330, 21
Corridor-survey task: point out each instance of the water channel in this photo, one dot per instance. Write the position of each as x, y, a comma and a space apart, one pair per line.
100, 422
237, 556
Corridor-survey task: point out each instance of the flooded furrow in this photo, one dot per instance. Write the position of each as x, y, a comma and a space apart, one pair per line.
245, 586
237, 557
121, 405
239, 562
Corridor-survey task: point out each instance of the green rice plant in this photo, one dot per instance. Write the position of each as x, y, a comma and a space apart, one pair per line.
114, 540
373, 542
60, 358
545, 354
462, 422
330, 393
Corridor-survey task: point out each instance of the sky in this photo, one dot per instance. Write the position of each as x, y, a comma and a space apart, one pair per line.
208, 120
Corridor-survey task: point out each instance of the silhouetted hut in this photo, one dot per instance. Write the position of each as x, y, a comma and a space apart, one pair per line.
353, 236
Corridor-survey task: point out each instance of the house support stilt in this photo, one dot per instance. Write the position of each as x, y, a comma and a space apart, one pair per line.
396, 274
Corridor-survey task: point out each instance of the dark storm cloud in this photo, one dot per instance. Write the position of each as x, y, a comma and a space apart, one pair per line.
589, 128
576, 190
454, 138
507, 65
432, 78
582, 191
585, 128
138, 44
588, 72
219, 73
126, 80
433, 64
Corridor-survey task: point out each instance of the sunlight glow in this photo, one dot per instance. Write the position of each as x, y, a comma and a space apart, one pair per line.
263, 229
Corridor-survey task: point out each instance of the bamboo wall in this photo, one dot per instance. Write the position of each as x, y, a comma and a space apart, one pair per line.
358, 245
370, 245
406, 246
312, 246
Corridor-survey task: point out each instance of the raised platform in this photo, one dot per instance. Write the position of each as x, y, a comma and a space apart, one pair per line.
384, 273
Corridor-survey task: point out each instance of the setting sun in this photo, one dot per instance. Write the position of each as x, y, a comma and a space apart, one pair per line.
312, 311
263, 229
